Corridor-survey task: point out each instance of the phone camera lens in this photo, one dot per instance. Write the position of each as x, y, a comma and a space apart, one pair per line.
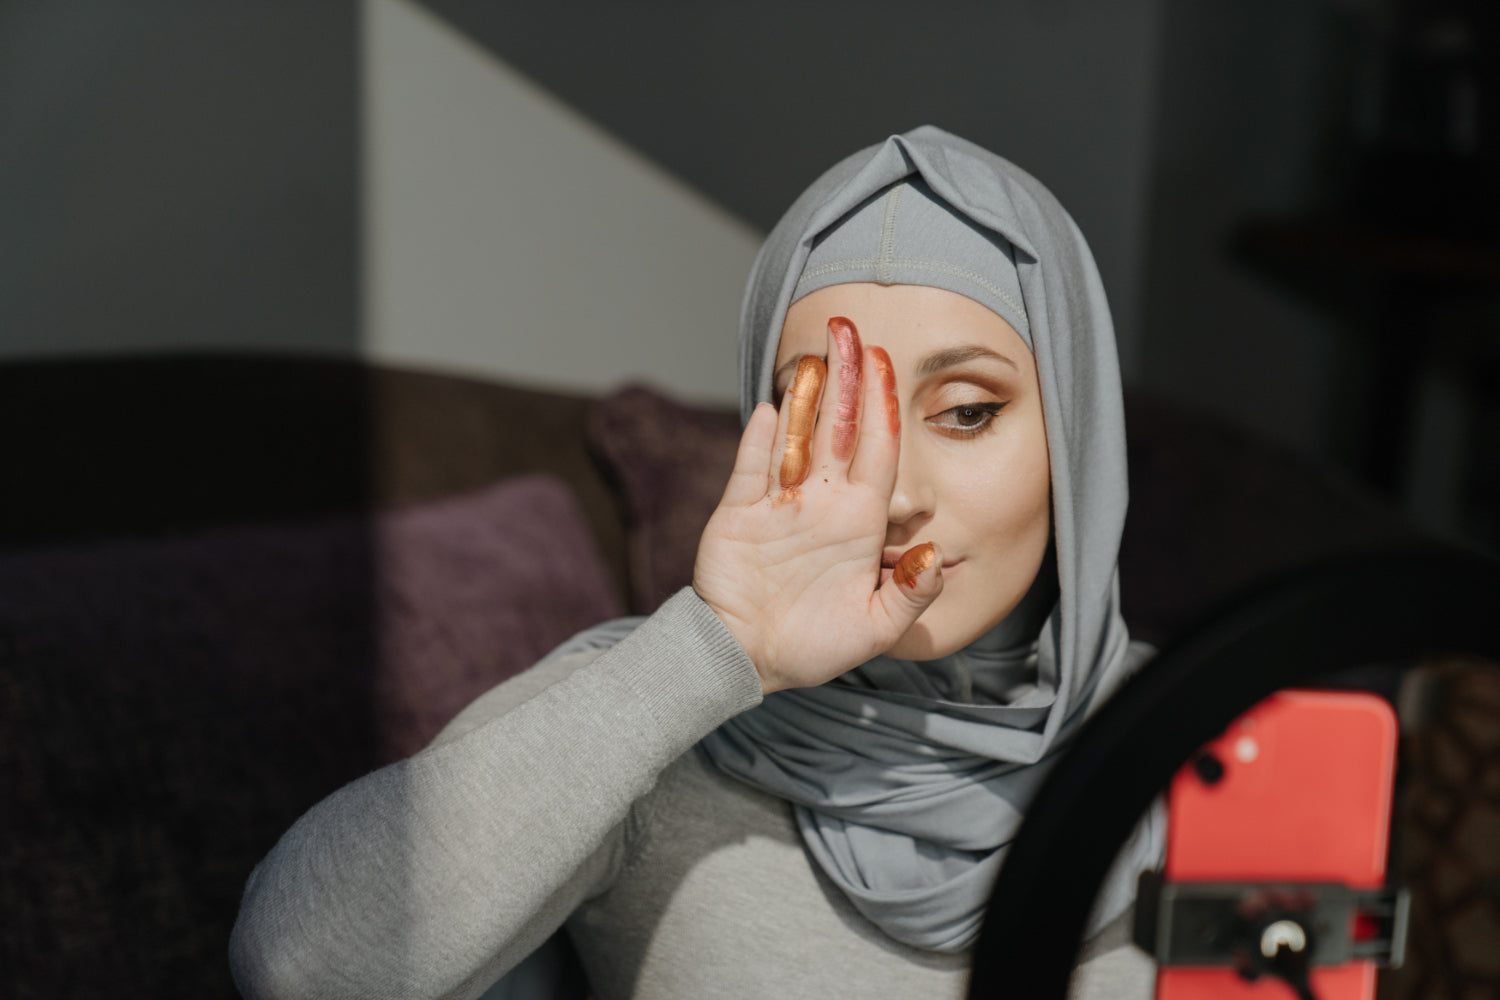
1209, 768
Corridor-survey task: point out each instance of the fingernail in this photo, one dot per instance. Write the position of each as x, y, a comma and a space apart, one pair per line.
913, 563
851, 361
807, 391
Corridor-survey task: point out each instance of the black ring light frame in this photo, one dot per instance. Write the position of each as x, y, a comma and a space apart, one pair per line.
1389, 607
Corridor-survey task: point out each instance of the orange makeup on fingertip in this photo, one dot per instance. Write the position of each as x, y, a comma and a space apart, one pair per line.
913, 563
851, 363
807, 392
887, 373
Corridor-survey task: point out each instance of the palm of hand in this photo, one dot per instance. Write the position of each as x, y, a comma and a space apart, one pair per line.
790, 560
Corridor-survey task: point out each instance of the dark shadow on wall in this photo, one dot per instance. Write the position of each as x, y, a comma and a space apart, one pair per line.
174, 176
182, 671
1324, 258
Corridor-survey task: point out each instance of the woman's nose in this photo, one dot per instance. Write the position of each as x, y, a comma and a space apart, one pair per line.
913, 495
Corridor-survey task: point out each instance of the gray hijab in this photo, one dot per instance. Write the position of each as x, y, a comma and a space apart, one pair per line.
909, 780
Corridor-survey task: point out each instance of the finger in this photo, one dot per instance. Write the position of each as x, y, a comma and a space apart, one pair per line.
879, 444
801, 407
915, 583
747, 482
778, 443
841, 394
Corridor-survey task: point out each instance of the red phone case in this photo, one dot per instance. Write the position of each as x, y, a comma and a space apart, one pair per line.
1305, 797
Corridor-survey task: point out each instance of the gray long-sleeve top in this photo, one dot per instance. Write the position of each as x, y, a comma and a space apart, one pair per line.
569, 794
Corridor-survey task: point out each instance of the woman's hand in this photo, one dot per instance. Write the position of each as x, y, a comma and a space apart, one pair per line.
790, 560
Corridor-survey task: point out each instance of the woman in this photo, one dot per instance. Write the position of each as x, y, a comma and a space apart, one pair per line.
799, 776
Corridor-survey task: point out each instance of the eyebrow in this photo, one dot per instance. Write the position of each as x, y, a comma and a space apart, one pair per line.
935, 362
953, 356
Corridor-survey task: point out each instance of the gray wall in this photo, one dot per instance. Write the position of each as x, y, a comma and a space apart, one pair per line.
181, 174
177, 174
1264, 110
507, 235
749, 102
1250, 100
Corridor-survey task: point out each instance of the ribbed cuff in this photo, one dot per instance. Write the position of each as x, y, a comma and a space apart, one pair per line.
688, 669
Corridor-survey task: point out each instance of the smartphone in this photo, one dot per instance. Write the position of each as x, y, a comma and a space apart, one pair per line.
1298, 789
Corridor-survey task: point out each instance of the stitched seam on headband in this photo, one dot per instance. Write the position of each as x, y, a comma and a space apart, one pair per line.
915, 264
888, 236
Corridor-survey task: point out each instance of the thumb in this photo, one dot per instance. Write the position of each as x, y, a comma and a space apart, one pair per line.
915, 583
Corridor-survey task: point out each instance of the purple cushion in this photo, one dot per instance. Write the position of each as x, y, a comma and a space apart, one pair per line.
171, 706
472, 590
672, 462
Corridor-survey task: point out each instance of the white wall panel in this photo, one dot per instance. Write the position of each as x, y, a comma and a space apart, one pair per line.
507, 236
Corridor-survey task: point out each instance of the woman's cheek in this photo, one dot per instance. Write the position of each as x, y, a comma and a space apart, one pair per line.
996, 470
1014, 492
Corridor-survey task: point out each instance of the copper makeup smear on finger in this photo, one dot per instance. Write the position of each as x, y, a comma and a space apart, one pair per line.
913, 563
851, 365
807, 392
887, 374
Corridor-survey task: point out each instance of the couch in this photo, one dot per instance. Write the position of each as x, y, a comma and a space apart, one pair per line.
230, 583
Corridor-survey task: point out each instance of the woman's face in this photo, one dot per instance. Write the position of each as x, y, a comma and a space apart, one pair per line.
973, 475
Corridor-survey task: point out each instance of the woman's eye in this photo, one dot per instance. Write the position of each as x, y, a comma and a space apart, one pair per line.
968, 419
970, 416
